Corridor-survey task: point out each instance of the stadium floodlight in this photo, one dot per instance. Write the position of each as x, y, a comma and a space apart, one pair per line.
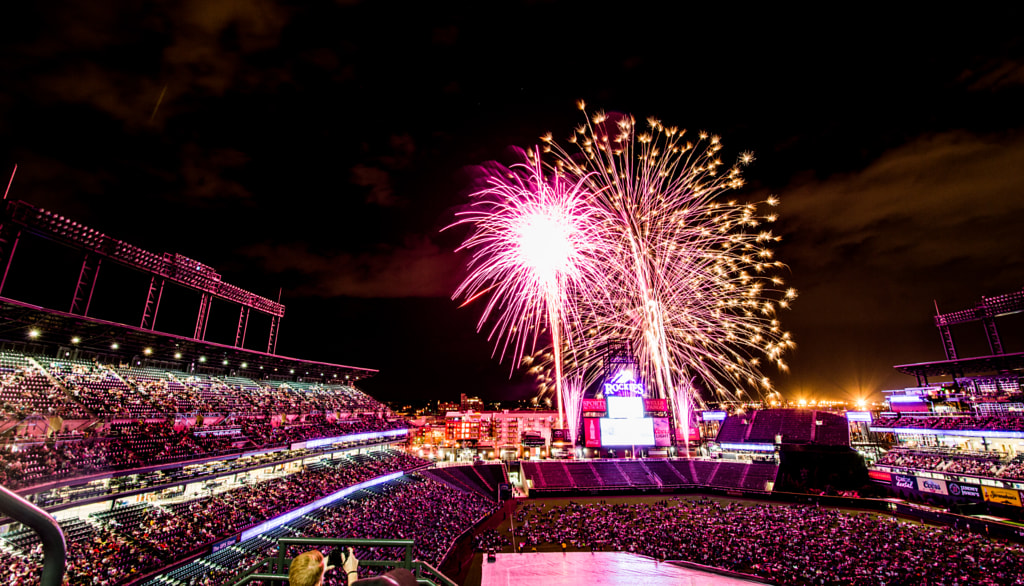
177, 355
33, 333
75, 340
147, 351
114, 346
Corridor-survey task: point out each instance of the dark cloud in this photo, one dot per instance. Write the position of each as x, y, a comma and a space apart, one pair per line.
417, 268
378, 181
937, 219
206, 172
995, 75
935, 200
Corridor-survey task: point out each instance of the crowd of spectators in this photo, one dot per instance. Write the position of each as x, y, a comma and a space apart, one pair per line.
139, 392
77, 389
25, 390
430, 513
124, 446
109, 551
957, 422
992, 466
794, 544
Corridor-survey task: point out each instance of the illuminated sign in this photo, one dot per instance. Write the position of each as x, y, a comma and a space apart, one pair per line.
593, 405
1001, 495
592, 432
883, 476
748, 447
624, 385
965, 490
662, 432
862, 416
903, 481
714, 416
931, 485
656, 404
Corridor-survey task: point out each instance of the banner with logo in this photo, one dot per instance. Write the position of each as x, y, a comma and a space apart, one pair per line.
900, 481
932, 485
656, 404
1001, 495
662, 432
694, 434
591, 405
964, 490
592, 432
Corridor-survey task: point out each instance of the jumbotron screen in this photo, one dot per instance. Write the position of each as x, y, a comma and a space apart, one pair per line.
627, 432
625, 424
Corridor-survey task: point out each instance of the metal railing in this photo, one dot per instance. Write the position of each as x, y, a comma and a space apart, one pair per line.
273, 570
50, 534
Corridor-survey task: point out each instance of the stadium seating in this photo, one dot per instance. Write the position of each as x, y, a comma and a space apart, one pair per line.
600, 475
139, 537
1005, 422
790, 426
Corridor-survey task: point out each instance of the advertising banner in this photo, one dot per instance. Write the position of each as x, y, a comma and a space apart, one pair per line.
592, 432
903, 481
662, 432
964, 490
880, 475
559, 435
1001, 495
593, 405
694, 434
656, 404
859, 416
932, 485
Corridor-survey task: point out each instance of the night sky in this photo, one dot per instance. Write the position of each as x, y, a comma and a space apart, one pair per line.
319, 147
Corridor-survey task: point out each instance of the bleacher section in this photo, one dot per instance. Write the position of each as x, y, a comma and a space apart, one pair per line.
481, 479
86, 417
655, 474
787, 426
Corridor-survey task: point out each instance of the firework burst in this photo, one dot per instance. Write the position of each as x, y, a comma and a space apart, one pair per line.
629, 238
696, 282
536, 247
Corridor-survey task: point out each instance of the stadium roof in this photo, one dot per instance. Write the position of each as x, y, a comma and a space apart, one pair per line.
997, 363
96, 338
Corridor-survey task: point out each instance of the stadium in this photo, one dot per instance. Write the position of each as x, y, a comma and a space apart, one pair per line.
134, 456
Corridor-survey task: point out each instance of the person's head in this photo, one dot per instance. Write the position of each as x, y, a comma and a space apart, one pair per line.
307, 569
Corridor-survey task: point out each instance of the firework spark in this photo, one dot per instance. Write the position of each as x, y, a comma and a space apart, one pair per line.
536, 246
695, 278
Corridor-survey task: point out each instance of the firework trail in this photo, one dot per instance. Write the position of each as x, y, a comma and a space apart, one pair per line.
693, 277
535, 246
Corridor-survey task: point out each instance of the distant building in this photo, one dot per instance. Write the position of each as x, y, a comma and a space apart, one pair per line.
470, 403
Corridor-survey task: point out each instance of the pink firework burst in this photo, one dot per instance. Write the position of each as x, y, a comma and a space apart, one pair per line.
536, 243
